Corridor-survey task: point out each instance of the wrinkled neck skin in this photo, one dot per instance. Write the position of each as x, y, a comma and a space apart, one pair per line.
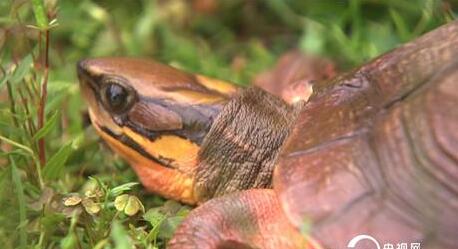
242, 146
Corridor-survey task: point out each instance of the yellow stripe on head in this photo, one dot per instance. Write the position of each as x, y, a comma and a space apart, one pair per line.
179, 153
220, 86
195, 98
169, 182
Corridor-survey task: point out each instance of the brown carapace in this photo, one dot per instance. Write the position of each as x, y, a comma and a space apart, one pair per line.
372, 152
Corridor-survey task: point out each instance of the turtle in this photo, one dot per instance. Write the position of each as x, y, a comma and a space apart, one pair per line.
368, 158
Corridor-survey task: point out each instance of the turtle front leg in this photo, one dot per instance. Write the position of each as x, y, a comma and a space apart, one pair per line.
247, 219
293, 76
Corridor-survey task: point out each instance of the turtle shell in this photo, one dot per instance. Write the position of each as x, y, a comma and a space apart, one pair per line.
375, 151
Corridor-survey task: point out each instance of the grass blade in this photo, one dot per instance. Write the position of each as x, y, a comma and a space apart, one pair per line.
54, 166
40, 13
22, 69
122, 188
120, 237
4, 79
49, 125
22, 204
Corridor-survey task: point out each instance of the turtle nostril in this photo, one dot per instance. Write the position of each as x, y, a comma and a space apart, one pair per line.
81, 67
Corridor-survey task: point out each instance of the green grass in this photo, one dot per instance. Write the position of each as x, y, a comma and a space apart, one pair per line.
60, 187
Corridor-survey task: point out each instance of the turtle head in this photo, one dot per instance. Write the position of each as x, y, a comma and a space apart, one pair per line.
153, 115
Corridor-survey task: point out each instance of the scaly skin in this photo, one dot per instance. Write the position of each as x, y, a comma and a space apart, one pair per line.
242, 146
249, 219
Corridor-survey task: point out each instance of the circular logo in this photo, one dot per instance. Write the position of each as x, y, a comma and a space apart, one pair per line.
356, 239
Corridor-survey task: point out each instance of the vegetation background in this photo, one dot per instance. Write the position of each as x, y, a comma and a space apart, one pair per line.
59, 185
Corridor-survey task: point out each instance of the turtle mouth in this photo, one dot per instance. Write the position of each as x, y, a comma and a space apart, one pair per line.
120, 141
129, 142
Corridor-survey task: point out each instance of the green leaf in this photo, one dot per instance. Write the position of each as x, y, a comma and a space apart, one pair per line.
49, 125
401, 27
4, 79
40, 13
122, 188
4, 181
120, 237
50, 221
69, 242
313, 39
101, 244
154, 217
54, 166
169, 226
22, 69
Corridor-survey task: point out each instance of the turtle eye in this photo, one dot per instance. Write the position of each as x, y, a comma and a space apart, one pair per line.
117, 98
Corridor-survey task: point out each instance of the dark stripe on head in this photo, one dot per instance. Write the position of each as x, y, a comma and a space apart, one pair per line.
129, 142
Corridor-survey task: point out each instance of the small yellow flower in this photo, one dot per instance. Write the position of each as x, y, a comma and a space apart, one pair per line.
128, 204
90, 206
72, 200
94, 193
